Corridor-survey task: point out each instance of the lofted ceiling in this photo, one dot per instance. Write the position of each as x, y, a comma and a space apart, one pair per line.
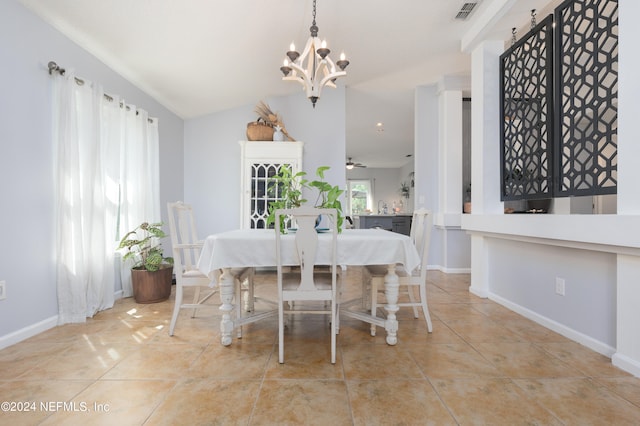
198, 57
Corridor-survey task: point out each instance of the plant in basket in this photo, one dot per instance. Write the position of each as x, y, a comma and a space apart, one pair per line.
151, 274
263, 128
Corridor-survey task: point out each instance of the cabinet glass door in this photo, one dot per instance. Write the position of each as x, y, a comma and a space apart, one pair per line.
263, 191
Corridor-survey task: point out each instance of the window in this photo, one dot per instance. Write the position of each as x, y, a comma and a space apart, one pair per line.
359, 197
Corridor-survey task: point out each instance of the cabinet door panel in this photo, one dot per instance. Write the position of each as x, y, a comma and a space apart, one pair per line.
260, 162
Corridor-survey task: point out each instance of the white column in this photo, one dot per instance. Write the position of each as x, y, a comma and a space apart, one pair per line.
426, 148
485, 128
450, 151
485, 149
628, 107
479, 266
627, 354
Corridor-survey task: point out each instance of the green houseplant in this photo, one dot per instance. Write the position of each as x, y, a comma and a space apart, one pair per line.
290, 187
151, 273
404, 190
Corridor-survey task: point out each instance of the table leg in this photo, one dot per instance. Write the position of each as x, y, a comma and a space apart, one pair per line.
226, 298
391, 285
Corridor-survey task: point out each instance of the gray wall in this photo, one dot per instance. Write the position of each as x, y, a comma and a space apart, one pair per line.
27, 44
212, 152
525, 274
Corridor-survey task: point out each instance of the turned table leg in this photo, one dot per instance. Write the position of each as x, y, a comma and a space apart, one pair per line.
391, 285
226, 298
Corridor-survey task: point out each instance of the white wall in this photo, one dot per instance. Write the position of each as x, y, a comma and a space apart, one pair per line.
27, 44
212, 152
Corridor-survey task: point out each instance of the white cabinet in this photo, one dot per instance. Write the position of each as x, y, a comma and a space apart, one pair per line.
260, 162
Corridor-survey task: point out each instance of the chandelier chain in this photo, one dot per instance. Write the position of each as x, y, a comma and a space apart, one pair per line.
314, 12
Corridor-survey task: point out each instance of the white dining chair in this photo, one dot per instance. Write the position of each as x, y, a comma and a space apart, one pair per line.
301, 283
373, 276
186, 250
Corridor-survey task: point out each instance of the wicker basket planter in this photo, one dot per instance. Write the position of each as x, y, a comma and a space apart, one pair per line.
151, 286
259, 131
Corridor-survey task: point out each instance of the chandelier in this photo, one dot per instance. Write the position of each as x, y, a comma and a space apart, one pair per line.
314, 69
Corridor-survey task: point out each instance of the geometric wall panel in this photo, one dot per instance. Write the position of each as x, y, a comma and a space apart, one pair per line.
586, 101
526, 115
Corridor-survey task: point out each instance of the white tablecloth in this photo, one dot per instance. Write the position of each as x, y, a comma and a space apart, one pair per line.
256, 247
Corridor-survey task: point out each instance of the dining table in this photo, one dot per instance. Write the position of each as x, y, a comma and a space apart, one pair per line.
239, 249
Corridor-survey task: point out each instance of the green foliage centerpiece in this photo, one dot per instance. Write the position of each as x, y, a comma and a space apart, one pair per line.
290, 187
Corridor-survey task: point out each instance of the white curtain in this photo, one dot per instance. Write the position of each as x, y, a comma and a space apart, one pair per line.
96, 171
140, 178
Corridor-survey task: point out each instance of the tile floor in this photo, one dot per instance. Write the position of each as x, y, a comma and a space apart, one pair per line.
483, 364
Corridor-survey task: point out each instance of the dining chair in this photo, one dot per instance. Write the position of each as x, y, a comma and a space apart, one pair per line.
299, 248
186, 251
373, 276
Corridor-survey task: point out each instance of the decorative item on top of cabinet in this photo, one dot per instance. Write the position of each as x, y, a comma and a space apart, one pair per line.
259, 131
268, 121
278, 136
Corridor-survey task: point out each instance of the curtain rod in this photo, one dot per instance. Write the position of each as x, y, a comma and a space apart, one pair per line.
53, 67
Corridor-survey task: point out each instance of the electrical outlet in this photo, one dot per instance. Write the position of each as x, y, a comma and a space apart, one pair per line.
3, 290
560, 286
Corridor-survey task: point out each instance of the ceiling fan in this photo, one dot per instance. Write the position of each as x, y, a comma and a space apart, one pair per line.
350, 164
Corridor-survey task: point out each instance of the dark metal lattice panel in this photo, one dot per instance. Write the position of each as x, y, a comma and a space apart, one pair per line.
526, 76
586, 103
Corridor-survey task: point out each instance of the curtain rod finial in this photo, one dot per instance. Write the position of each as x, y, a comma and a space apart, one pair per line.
54, 67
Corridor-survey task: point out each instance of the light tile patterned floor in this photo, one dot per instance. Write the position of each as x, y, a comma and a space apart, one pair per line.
483, 364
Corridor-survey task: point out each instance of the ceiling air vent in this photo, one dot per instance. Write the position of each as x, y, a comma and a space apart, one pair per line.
466, 10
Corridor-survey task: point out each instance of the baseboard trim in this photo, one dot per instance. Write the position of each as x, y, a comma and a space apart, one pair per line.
625, 363
449, 270
576, 336
37, 328
29, 331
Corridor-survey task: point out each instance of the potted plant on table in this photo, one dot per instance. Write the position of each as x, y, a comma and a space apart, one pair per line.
290, 188
151, 273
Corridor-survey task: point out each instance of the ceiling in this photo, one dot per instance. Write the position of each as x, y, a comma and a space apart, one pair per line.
197, 57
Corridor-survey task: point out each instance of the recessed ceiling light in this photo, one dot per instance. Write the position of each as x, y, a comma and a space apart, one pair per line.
379, 127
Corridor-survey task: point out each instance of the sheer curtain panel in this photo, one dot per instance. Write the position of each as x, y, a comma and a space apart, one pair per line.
98, 190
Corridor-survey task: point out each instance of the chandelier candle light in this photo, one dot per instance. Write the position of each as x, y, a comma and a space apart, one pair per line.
314, 69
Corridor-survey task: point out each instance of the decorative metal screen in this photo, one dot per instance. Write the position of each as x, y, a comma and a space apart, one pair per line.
526, 115
587, 82
263, 191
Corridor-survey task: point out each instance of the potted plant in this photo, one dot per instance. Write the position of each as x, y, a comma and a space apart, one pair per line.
151, 273
404, 190
290, 188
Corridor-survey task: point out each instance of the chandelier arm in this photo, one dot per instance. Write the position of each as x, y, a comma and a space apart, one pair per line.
329, 76
309, 49
328, 79
300, 75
